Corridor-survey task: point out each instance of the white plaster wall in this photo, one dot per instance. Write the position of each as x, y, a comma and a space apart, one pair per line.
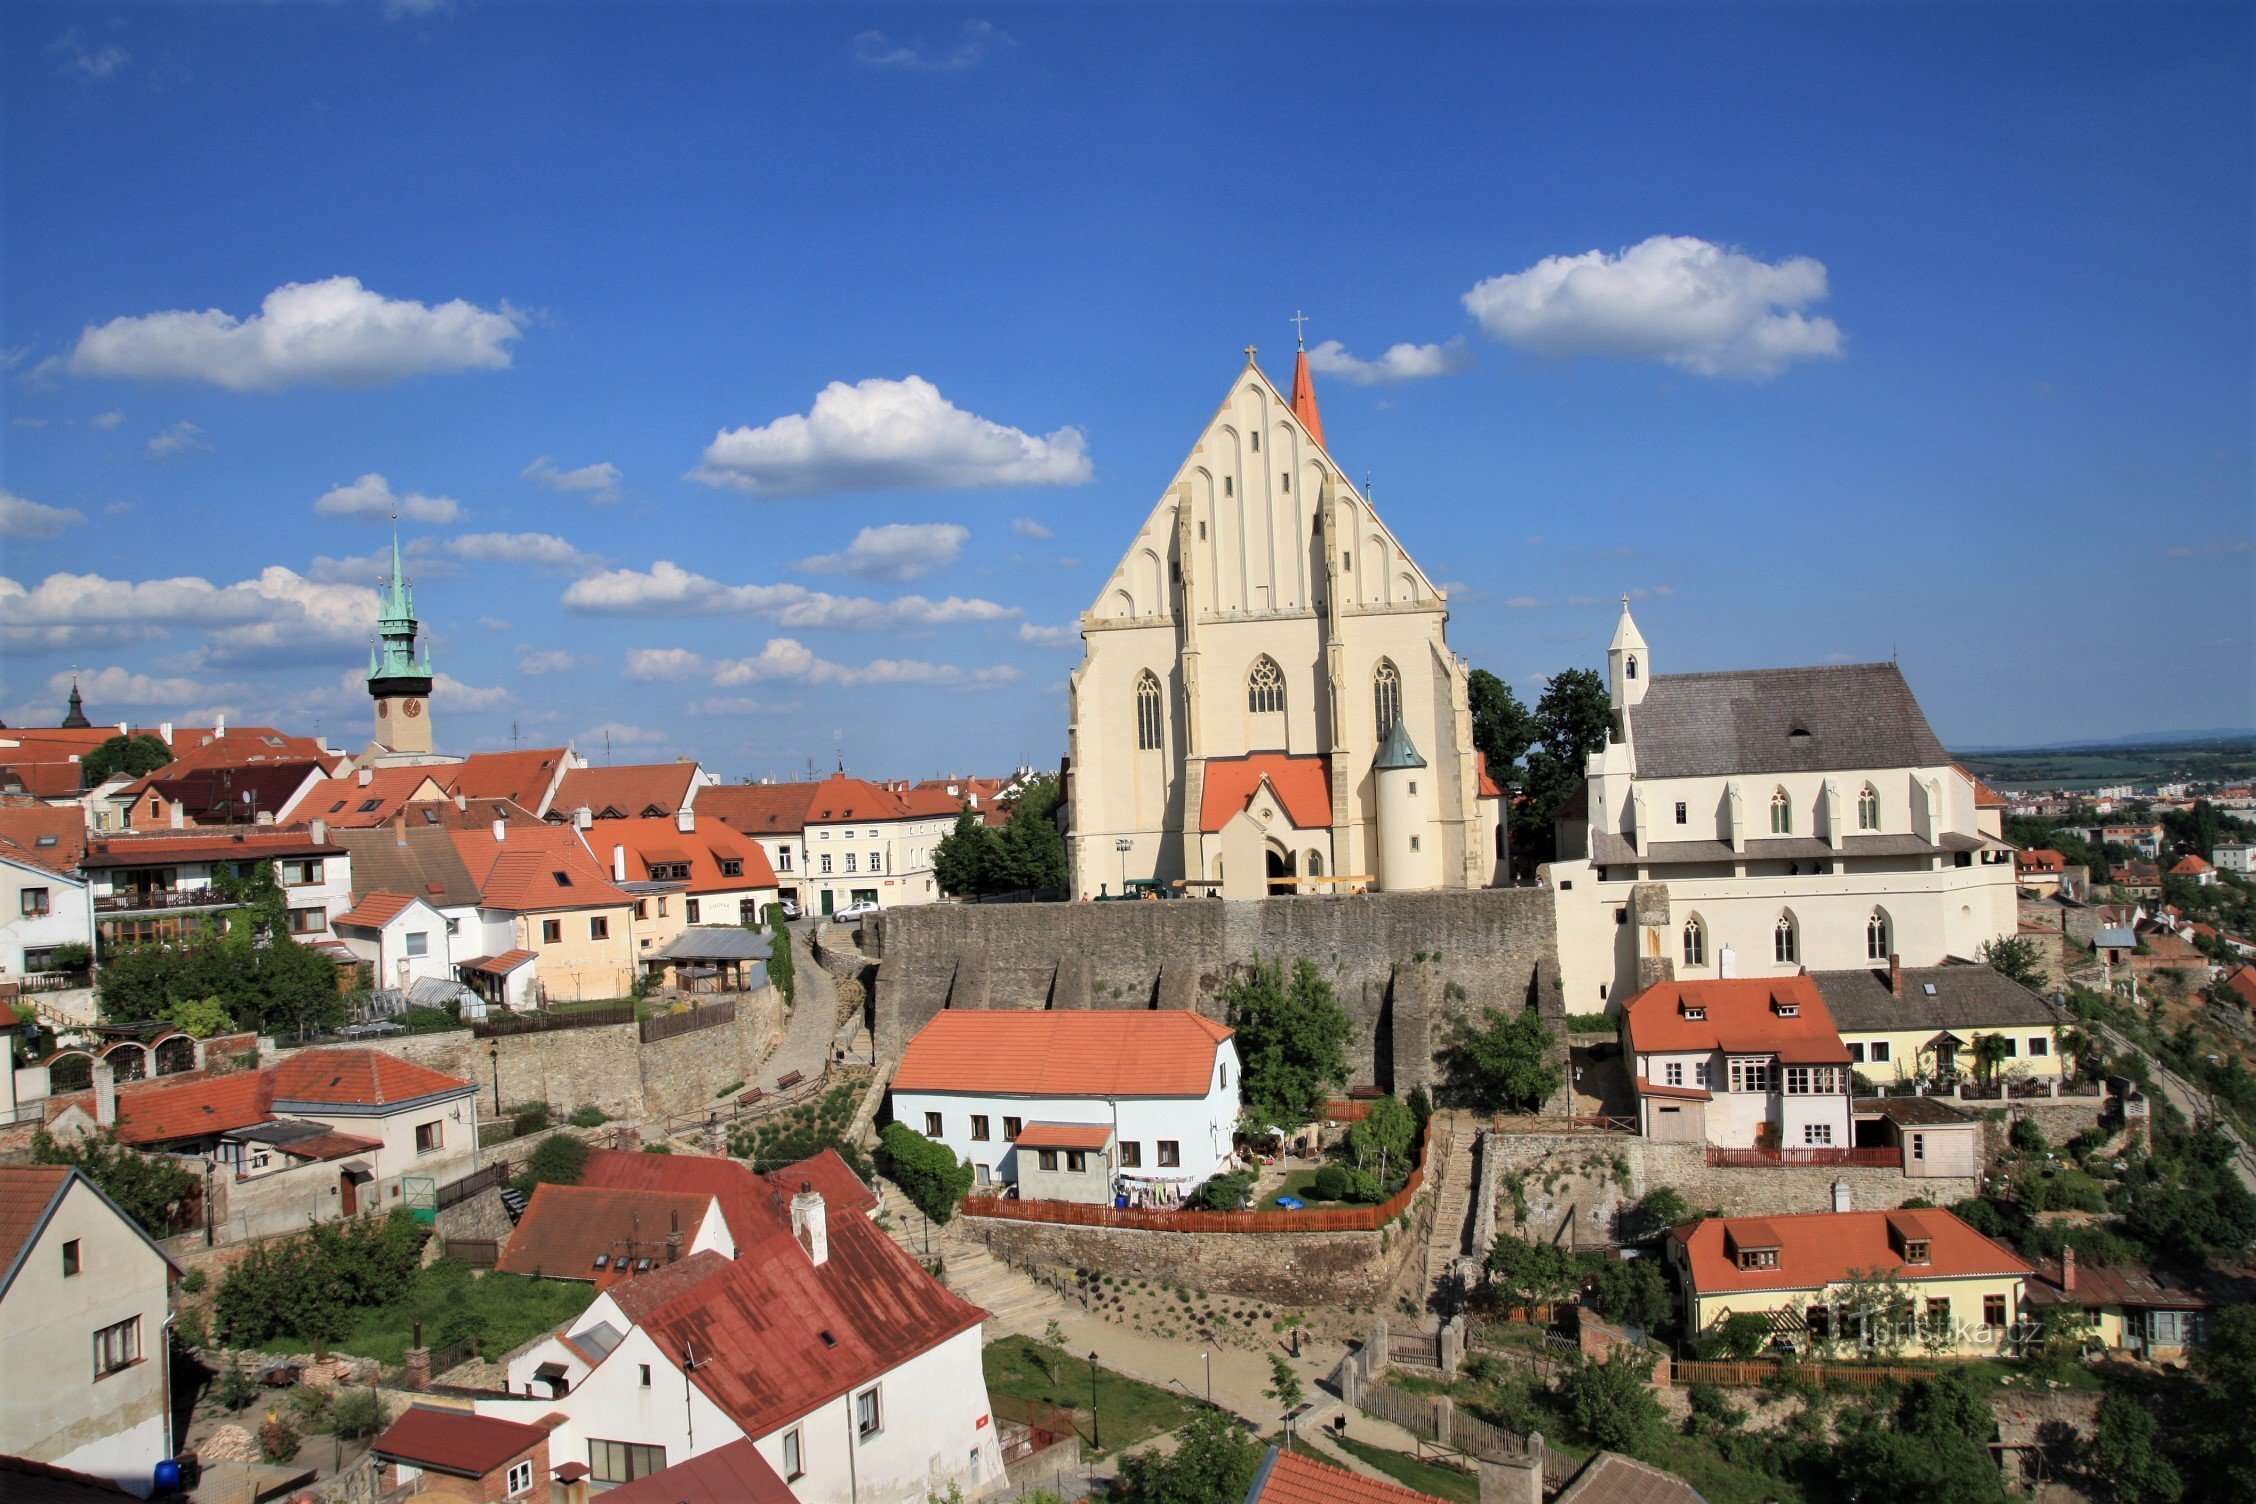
69, 919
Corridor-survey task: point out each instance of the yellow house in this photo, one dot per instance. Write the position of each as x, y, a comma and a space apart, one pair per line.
1912, 1282
2130, 1308
1907, 1023
540, 891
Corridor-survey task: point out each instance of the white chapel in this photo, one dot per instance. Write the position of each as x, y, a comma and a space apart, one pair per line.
1267, 703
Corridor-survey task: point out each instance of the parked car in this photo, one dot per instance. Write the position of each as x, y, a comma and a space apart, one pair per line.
856, 911
790, 908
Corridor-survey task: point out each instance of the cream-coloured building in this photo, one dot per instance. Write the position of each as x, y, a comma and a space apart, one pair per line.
1921, 1024
1267, 701
1758, 822
83, 1297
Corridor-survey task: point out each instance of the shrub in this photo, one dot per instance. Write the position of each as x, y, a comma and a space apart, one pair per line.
560, 1160
356, 1415
278, 1440
234, 1388
529, 1117
1609, 1403
1632, 1292
588, 1117
1366, 1187
928, 1173
194, 1281
309, 1286
1593, 1023
1330, 1183
188, 1331
1224, 1193
1713, 1406
2028, 1137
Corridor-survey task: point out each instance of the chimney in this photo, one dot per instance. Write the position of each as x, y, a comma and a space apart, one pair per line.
219, 728
809, 1225
1895, 974
105, 1096
461, 800
366, 777
501, 831
178, 816
1844, 1200
618, 864
2067, 1267
673, 1237
164, 729
319, 831
685, 820
583, 818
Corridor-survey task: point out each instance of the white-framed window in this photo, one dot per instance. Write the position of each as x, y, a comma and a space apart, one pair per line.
1386, 696
826, 864
34, 903
623, 1461
1695, 942
1673, 1073
1876, 938
2039, 1046
520, 1477
691, 909
1919, 1146
430, 1137
1797, 1080
1700, 1073
419, 943
1868, 809
1856, 1053
783, 859
1750, 1075
794, 1463
850, 867
1265, 687
1046, 1158
1786, 941
1781, 814
1170, 1154
1817, 1135
869, 1413
932, 1125
1881, 1051
117, 1346
876, 862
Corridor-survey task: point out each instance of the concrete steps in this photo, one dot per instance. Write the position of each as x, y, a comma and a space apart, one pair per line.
1453, 1192
1015, 1303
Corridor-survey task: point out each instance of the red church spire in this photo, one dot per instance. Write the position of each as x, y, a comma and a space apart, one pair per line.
1304, 387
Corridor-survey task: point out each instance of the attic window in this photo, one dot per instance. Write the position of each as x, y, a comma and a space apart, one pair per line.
271, 741
340, 804
828, 1339
1915, 1251
602, 1260
563, 879
45, 841
1695, 1012
366, 805
1789, 1010
1758, 1258
430, 817
1928, 988
1798, 731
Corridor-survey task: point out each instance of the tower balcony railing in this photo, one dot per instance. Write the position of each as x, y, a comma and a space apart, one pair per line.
162, 900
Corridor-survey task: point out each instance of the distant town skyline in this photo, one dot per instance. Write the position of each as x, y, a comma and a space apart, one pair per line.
761, 383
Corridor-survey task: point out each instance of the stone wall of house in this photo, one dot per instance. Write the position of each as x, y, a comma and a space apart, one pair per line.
606, 1066
1406, 966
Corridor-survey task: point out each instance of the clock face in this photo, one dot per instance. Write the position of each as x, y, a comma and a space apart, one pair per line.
382, 706
413, 708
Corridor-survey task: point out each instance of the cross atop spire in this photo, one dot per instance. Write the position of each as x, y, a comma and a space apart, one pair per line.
1251, 351
1300, 330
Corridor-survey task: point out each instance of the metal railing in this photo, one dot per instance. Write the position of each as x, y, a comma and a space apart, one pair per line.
47, 981
674, 1025
494, 1025
1885, 1158
455, 1192
131, 902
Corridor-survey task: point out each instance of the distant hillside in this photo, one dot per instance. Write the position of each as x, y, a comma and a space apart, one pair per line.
2222, 756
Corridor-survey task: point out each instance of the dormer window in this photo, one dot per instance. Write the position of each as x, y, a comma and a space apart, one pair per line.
1758, 1258
1786, 1009
1695, 1012
1915, 1251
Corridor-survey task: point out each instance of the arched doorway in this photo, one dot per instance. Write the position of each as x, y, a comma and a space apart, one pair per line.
1280, 873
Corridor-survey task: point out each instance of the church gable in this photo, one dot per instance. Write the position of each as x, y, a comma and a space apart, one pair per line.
1255, 484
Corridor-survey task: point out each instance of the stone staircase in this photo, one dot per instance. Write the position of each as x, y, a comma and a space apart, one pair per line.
1015, 1303
1452, 1180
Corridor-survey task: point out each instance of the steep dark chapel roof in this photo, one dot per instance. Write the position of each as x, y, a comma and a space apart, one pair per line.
1781, 720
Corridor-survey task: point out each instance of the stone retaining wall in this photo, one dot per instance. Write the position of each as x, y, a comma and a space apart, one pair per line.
1406, 966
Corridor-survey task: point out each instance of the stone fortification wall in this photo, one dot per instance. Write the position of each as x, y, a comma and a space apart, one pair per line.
607, 1066
1404, 965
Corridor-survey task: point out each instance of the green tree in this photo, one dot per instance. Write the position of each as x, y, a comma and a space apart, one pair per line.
134, 756
1663, 1208
1742, 1334
1502, 728
1382, 1142
1292, 1042
1611, 1403
1285, 1386
1632, 1292
201, 1018
928, 1173
781, 969
2184, 1200
1572, 720
965, 856
1528, 1273
1031, 851
560, 1160
146, 1189
2122, 1455
2016, 958
1506, 1062
1213, 1463
2225, 1465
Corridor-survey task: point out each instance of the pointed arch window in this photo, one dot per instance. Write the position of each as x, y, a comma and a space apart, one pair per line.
1786, 941
1265, 687
1386, 696
1781, 814
1868, 809
1695, 942
1149, 713
1876, 936
1629, 664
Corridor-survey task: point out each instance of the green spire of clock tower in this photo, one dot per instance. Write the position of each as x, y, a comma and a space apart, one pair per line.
399, 669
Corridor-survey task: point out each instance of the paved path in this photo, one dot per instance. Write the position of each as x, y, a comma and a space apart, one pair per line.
814, 1019
2194, 1103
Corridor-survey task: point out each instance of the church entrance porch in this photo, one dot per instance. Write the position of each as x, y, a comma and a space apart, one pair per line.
1280, 873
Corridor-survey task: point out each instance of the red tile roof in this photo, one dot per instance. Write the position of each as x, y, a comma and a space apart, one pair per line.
1818, 1249
759, 809
1488, 788
624, 792
841, 1188
42, 780
1291, 1478
2041, 859
374, 911
457, 1441
523, 777
330, 1146
356, 1078
519, 873
1302, 784
349, 804
1743, 1018
839, 800
1097, 1053
564, 1227
2190, 866
1304, 399
1064, 1136
704, 848
44, 836
2242, 984
27, 1194
166, 848
192, 1107
638, 1297
734, 1474
498, 966
229, 794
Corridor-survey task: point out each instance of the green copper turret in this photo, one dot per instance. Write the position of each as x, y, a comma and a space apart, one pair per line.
396, 665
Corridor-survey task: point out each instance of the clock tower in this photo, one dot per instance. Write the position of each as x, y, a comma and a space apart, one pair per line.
399, 676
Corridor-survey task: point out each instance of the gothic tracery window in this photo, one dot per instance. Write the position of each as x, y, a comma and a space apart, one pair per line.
1868, 809
1265, 687
1781, 814
1148, 713
1876, 936
1386, 696
1695, 942
1785, 941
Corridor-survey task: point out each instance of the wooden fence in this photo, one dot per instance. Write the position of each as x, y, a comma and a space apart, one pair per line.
1755, 1375
494, 1025
478, 1253
1153, 1219
674, 1025
1420, 1348
1889, 1158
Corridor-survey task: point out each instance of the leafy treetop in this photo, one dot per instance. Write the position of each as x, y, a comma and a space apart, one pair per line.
1292, 1042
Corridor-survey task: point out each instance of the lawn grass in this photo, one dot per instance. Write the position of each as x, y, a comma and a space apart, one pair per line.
1299, 1183
513, 1308
1130, 1409
1696, 1461
1412, 1472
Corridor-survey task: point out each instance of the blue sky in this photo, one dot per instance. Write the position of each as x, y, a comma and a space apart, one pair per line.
750, 375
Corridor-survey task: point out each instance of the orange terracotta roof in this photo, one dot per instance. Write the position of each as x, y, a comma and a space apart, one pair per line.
330, 1146
1743, 1018
161, 1111
374, 911
704, 848
1302, 784
624, 792
42, 780
1064, 1136
460, 1442
734, 1474
44, 836
1818, 1249
349, 804
831, 1175
27, 1194
1291, 1478
498, 966
839, 799
1985, 797
520, 873
564, 1228
1100, 1053
929, 804
2040, 859
2242, 984
523, 777
163, 848
1488, 788
356, 1078
2190, 866
1304, 399
759, 809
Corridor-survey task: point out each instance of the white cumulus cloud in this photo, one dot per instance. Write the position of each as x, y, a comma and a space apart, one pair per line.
547, 661
896, 551
883, 435
107, 421
177, 438
618, 734
334, 331
786, 660
544, 550
1403, 362
279, 616
88, 63
654, 664
1027, 527
971, 44
598, 482
23, 518
1701, 307
1048, 637
371, 499
448, 691
667, 589
117, 686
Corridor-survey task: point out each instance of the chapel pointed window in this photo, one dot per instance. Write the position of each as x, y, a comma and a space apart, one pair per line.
1265, 687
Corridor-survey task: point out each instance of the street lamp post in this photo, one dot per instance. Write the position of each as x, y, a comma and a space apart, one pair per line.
1207, 1358
1096, 1422
493, 1052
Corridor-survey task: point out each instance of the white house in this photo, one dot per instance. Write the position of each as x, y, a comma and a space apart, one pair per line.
45, 906
403, 938
2234, 856
1153, 1096
83, 1302
1750, 823
153, 886
1745, 1064
854, 1374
